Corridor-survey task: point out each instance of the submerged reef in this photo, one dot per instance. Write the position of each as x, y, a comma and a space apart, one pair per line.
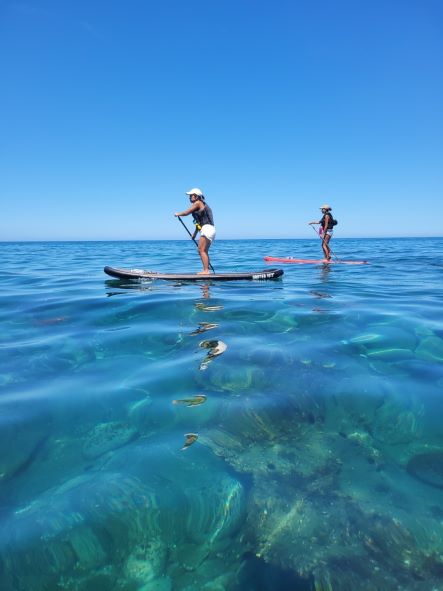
330, 498
428, 468
84, 526
111, 530
303, 469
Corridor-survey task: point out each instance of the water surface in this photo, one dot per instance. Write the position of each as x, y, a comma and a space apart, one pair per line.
318, 461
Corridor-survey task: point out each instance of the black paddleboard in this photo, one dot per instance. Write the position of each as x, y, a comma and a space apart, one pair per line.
141, 274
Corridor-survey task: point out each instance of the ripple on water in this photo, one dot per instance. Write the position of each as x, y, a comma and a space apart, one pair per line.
319, 441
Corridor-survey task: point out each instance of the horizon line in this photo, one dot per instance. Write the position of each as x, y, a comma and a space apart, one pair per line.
218, 240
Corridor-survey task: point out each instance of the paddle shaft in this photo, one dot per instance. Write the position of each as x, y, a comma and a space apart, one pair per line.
186, 228
193, 239
322, 239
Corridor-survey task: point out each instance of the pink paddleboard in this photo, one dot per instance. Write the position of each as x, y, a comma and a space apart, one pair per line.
312, 261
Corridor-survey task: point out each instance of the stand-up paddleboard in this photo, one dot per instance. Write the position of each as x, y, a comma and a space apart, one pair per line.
141, 274
312, 261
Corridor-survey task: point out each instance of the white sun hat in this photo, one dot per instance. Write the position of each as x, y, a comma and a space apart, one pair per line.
195, 191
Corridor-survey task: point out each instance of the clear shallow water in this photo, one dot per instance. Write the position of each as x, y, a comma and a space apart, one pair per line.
319, 458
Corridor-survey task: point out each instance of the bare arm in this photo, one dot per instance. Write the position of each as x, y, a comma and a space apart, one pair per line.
193, 208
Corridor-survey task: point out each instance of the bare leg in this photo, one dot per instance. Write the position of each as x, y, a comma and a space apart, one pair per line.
325, 246
203, 248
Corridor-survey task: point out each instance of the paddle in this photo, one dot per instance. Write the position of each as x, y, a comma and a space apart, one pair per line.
192, 238
322, 239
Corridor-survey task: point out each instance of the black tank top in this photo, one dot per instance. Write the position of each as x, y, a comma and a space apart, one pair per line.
330, 224
204, 217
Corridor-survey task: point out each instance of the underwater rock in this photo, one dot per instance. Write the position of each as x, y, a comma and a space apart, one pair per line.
104, 579
256, 574
332, 541
234, 378
216, 514
265, 433
423, 331
280, 322
89, 523
223, 443
430, 349
256, 418
106, 437
209, 504
192, 555
366, 337
139, 406
265, 417
398, 421
303, 457
390, 337
145, 563
268, 356
390, 354
391, 369
428, 468
151, 415
159, 584
23, 442
353, 403
366, 444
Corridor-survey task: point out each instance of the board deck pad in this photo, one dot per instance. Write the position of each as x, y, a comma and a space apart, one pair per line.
142, 274
312, 261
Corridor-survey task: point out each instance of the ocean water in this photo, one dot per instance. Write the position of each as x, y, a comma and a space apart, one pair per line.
264, 435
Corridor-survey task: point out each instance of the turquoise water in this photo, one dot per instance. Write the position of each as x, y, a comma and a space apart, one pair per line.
316, 455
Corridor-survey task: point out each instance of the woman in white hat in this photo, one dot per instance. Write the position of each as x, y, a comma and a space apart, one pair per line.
326, 229
204, 223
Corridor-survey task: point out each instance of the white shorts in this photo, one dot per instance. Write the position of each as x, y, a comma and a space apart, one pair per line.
208, 232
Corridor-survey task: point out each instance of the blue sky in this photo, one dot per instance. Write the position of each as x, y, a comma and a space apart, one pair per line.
111, 110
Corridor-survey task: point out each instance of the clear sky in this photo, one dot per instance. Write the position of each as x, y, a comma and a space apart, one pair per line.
112, 109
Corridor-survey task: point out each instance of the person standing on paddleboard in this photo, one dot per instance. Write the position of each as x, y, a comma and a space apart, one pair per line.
204, 223
326, 229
